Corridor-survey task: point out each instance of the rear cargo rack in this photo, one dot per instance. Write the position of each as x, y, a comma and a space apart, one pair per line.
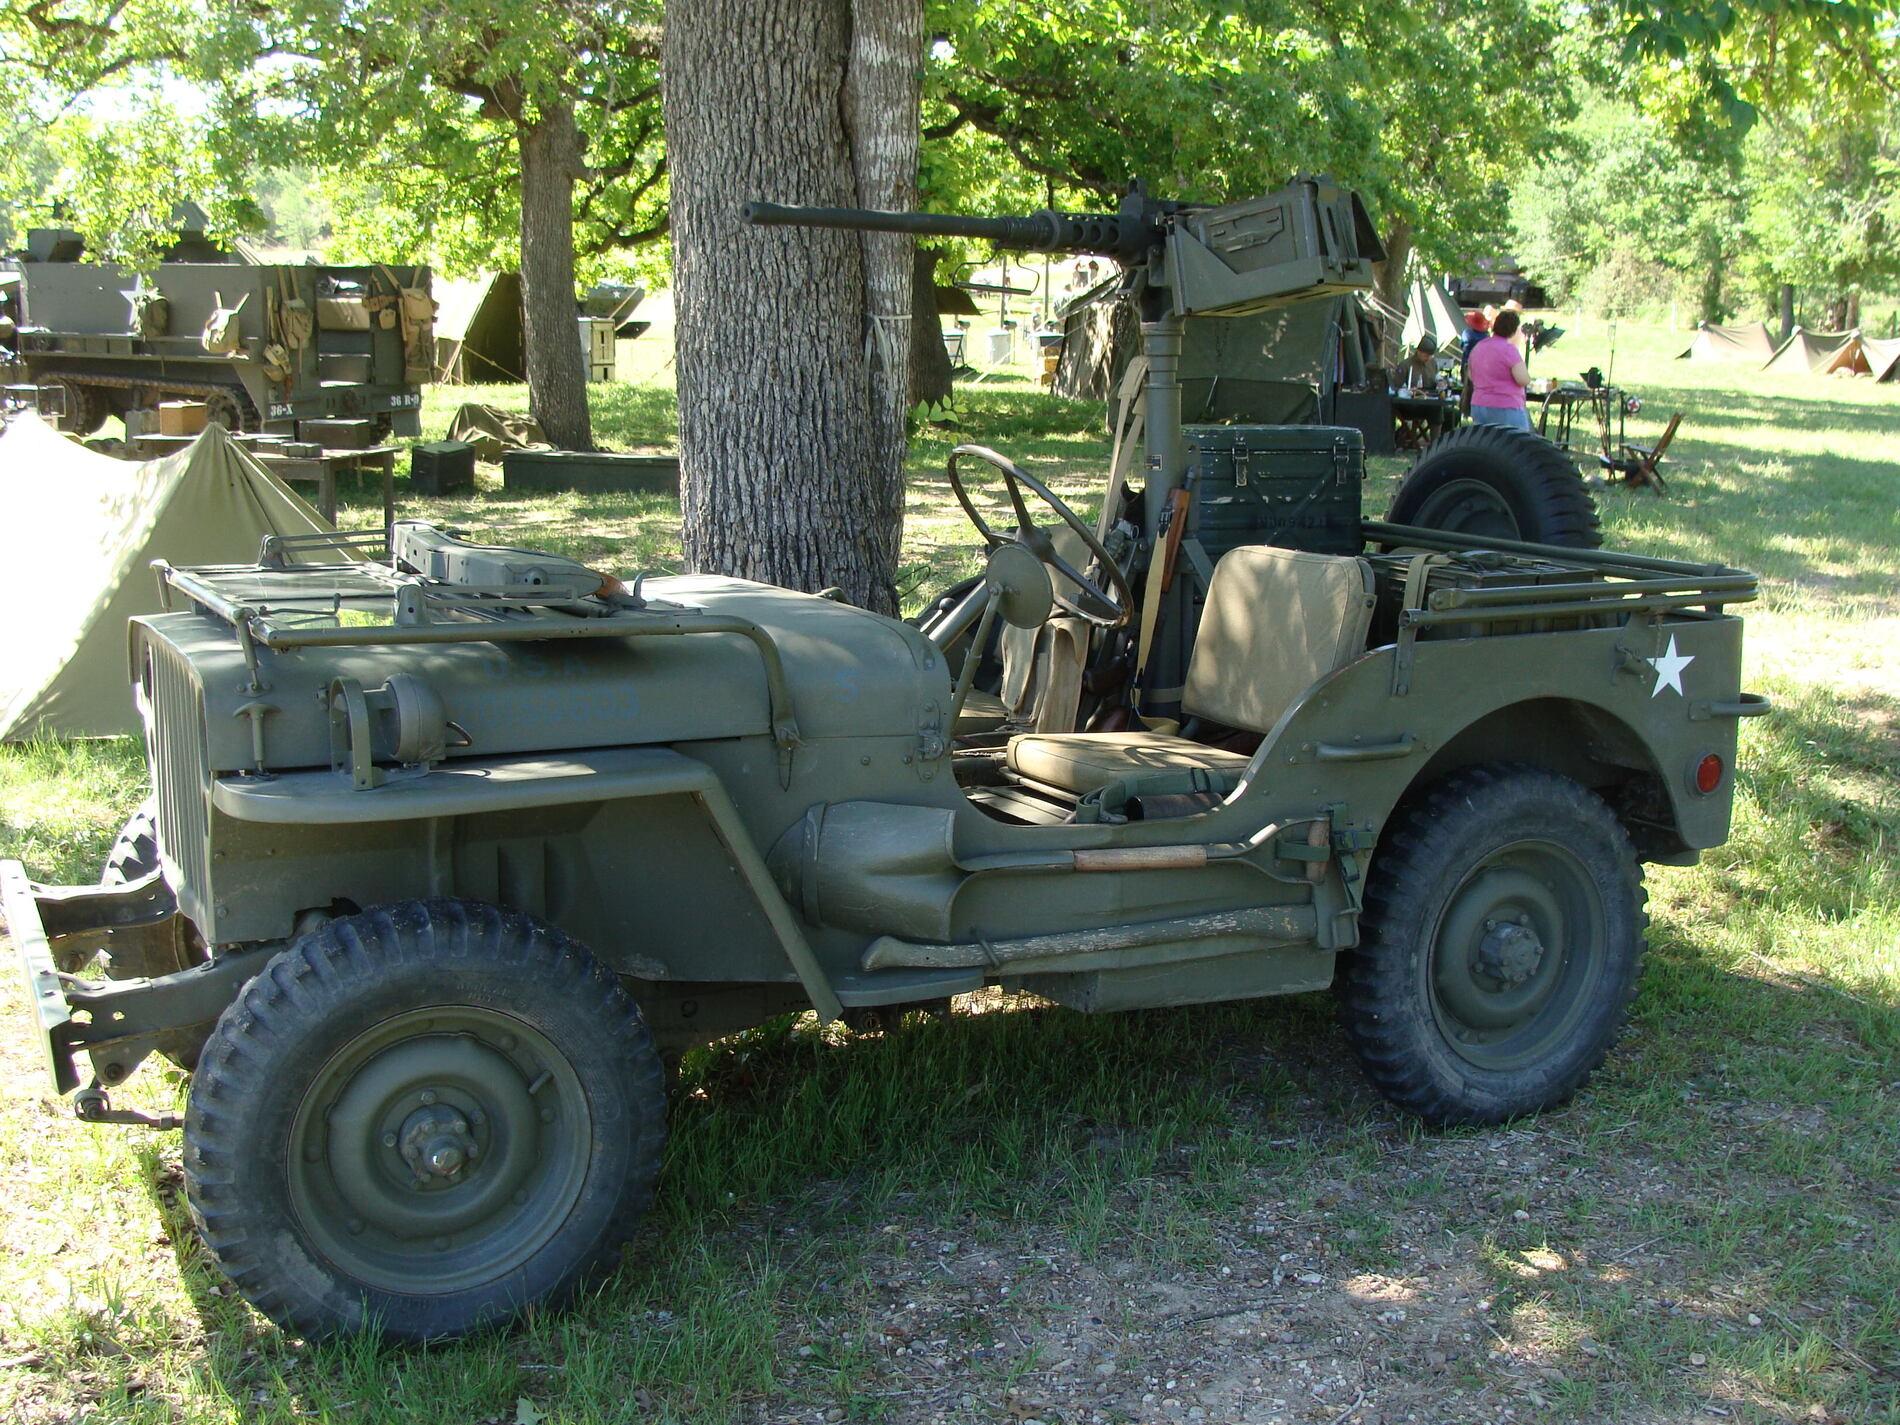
363, 604
1627, 584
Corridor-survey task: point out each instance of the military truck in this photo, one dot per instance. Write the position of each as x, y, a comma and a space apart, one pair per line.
452, 848
264, 347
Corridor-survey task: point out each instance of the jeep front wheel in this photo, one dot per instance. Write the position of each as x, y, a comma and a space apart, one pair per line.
1500, 947
421, 1120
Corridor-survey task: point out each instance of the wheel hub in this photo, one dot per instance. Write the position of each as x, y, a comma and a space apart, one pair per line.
1510, 951
437, 1144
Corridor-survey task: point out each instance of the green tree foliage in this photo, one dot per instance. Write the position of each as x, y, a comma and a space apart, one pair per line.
99, 130
1428, 110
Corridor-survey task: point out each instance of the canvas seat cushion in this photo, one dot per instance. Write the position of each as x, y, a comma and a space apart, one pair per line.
1082, 761
1276, 622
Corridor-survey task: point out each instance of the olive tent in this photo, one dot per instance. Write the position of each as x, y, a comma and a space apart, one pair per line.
1883, 357
1818, 353
1282, 366
1432, 312
478, 332
78, 534
1743, 343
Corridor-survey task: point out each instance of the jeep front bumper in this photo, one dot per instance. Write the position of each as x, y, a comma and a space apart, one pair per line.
19, 902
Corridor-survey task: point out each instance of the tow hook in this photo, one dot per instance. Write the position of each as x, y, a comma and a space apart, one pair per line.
92, 1106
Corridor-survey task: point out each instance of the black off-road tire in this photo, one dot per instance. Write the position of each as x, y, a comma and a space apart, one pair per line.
1490, 480
133, 857
134, 854
1522, 839
288, 1098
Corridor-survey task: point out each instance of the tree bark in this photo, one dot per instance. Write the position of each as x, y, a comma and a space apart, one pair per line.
1787, 310
883, 94
1388, 279
1851, 320
791, 404
557, 373
931, 376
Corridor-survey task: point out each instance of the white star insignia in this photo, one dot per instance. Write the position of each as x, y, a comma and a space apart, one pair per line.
1669, 668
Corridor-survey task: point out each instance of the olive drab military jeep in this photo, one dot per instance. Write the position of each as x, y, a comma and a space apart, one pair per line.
452, 845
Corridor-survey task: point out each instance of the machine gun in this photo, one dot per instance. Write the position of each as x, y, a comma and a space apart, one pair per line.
1185, 260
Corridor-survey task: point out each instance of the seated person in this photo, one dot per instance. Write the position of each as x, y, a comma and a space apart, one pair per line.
1420, 372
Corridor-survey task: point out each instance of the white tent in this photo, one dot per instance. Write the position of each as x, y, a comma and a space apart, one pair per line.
1432, 312
78, 534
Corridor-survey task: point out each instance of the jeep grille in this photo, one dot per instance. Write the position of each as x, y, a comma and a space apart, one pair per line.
181, 783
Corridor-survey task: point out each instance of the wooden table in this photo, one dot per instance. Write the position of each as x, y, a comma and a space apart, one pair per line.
323, 470
1418, 420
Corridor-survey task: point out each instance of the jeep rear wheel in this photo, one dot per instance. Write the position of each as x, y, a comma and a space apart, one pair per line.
422, 1120
1500, 947
1490, 481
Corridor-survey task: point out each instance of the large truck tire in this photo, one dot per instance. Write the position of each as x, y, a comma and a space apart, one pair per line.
1490, 481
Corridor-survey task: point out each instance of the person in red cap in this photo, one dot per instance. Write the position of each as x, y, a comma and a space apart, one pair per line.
1477, 327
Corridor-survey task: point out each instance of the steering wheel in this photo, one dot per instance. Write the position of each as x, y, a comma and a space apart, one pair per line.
1104, 608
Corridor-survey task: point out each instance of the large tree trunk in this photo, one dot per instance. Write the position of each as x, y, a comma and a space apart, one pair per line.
792, 395
557, 373
1787, 310
882, 95
932, 378
1388, 279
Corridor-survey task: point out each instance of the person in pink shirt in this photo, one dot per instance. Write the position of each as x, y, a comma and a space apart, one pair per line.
1498, 377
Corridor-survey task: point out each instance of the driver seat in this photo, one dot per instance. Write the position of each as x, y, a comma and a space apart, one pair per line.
1276, 622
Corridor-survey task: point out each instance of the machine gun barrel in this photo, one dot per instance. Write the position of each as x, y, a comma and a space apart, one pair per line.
1126, 236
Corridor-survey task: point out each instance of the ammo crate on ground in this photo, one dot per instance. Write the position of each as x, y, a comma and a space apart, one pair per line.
593, 471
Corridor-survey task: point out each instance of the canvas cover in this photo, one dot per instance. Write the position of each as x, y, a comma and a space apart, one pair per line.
492, 433
1432, 312
78, 534
1817, 353
1276, 367
1744, 343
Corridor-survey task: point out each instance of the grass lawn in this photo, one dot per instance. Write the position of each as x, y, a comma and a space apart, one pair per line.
1020, 1213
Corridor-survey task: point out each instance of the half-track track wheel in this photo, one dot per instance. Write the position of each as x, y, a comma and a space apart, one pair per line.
422, 1120
84, 406
1500, 947
1493, 481
224, 408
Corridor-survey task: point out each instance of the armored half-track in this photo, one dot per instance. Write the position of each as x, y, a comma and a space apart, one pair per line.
263, 347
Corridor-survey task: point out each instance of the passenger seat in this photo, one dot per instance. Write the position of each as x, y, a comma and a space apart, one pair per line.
1275, 623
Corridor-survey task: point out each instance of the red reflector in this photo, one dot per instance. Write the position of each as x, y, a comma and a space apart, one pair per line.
1708, 774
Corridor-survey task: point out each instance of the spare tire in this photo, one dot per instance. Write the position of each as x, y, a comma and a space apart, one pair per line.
1491, 481
134, 856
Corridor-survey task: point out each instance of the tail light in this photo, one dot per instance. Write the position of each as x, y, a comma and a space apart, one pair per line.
1708, 773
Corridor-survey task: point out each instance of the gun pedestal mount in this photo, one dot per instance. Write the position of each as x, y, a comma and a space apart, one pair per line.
1306, 239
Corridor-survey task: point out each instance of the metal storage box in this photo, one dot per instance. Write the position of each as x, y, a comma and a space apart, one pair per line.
1297, 486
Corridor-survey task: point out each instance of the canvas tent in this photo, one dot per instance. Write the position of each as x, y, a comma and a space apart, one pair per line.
1282, 366
478, 331
1883, 357
78, 534
1743, 343
1432, 312
1818, 353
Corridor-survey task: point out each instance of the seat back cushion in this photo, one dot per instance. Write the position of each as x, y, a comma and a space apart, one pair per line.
1276, 622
